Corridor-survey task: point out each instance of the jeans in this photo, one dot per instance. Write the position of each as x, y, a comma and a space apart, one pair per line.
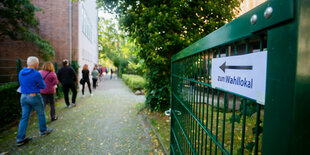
28, 103
51, 99
100, 78
66, 89
94, 83
88, 84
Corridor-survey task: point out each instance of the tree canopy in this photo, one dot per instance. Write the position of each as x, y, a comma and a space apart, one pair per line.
18, 22
114, 45
164, 27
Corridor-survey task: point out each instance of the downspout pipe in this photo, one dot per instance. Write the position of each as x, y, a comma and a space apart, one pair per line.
70, 31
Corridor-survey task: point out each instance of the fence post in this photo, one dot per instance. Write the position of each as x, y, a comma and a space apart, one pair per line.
56, 70
56, 67
18, 67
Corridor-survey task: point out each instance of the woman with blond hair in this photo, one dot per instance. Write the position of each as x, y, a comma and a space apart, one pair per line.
85, 79
51, 81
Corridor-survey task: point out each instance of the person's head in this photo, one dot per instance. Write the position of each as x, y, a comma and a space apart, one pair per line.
32, 62
48, 66
65, 62
94, 68
85, 67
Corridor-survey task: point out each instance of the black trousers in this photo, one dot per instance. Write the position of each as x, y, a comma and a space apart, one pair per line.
66, 89
51, 99
88, 84
94, 83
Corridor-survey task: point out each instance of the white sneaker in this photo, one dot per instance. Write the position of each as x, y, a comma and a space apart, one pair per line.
74, 104
91, 94
83, 95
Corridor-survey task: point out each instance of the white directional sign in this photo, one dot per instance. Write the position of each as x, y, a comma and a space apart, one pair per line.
244, 75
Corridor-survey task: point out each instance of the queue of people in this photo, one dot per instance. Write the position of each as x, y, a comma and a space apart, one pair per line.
38, 88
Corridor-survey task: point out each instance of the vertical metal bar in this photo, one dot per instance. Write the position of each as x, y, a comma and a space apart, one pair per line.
217, 111
257, 129
211, 124
233, 125
233, 115
224, 111
208, 96
243, 125
258, 110
196, 102
171, 107
203, 101
189, 101
200, 113
193, 102
244, 108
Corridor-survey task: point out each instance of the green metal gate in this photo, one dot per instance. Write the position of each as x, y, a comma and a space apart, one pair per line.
215, 121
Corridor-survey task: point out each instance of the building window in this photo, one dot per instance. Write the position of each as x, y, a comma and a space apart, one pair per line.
86, 25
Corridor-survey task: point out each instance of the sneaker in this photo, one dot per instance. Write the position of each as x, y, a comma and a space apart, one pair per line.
68, 106
24, 141
48, 131
91, 94
54, 119
74, 104
83, 95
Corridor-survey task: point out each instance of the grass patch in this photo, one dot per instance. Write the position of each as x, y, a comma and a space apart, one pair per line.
161, 124
213, 120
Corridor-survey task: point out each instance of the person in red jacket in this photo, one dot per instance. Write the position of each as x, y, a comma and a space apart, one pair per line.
51, 81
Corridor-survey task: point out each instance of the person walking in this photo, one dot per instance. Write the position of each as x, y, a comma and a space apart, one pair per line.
106, 71
85, 79
95, 75
51, 81
31, 82
67, 77
100, 73
116, 72
111, 73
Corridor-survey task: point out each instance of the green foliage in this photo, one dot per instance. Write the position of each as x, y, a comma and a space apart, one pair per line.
18, 22
162, 28
74, 64
134, 82
251, 108
115, 46
9, 104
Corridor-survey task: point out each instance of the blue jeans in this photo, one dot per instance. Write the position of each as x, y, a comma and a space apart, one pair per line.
28, 103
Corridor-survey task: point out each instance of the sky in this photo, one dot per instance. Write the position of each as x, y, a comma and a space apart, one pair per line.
106, 15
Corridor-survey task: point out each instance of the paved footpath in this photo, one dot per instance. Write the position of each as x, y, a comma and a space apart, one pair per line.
105, 123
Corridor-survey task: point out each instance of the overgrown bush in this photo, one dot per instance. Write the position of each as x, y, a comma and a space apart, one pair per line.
163, 28
134, 82
9, 104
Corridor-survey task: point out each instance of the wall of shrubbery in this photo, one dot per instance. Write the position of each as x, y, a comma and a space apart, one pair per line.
9, 103
10, 108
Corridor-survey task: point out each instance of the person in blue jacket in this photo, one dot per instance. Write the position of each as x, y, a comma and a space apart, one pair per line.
31, 82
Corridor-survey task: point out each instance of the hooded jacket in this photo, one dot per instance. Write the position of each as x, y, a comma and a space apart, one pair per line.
30, 81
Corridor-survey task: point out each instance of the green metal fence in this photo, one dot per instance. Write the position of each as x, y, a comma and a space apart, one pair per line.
206, 120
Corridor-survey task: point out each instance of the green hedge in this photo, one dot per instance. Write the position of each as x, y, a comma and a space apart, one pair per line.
9, 103
10, 109
134, 82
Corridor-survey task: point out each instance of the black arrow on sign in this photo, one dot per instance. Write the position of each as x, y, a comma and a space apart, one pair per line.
223, 67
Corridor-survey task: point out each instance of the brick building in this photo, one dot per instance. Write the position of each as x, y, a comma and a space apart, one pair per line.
55, 27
